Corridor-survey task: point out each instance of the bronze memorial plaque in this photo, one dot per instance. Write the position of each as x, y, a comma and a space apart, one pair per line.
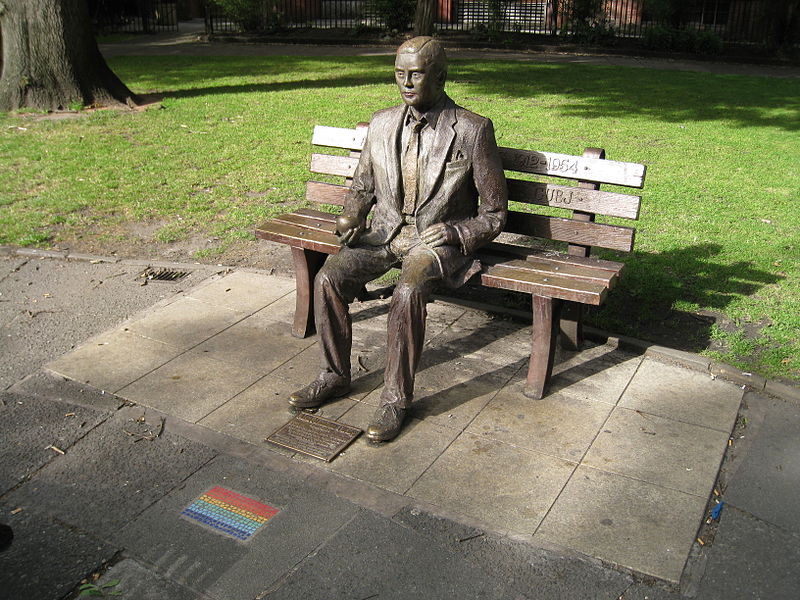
315, 436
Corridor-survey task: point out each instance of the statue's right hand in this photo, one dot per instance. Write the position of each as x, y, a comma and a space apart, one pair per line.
348, 229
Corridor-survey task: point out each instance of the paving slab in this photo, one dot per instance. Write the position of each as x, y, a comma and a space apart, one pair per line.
397, 465
463, 367
599, 373
678, 393
46, 558
190, 386
533, 571
454, 406
668, 453
261, 409
140, 583
110, 476
260, 342
224, 568
245, 292
506, 486
375, 558
113, 360
185, 322
26, 448
560, 424
55, 304
751, 559
631, 523
50, 386
769, 472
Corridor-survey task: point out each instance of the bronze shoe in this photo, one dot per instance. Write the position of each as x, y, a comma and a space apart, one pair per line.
318, 392
386, 423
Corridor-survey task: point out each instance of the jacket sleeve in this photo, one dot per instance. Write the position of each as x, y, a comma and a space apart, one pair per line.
490, 181
361, 195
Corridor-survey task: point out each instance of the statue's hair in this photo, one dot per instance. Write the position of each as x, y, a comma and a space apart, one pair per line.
430, 49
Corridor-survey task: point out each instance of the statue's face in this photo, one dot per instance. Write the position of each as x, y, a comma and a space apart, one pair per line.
420, 85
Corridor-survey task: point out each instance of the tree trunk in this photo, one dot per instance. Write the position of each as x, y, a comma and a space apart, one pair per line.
51, 60
423, 17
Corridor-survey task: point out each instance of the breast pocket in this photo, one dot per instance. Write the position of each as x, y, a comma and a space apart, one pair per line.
455, 165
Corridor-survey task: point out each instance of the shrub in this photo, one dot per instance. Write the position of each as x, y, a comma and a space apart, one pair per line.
395, 14
248, 14
682, 40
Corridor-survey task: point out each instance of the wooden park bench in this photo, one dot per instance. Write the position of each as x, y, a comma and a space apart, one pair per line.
560, 281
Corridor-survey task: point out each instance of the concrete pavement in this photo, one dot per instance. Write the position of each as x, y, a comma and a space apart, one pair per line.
599, 491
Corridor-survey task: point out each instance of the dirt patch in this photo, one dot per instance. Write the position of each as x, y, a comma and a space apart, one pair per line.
136, 241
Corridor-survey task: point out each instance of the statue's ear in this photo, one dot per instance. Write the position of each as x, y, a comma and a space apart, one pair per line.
442, 77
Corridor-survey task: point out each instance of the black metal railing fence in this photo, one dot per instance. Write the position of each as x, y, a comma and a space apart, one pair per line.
671, 24
735, 21
134, 16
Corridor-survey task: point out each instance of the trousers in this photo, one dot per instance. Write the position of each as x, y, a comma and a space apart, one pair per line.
335, 288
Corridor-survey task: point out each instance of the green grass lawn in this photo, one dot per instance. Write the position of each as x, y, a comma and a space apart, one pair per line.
719, 234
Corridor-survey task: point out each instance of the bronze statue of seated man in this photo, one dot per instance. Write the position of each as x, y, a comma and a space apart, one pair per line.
431, 175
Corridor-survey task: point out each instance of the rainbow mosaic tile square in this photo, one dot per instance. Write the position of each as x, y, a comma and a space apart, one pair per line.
229, 513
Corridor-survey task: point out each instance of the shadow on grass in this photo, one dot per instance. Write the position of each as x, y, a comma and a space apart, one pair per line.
651, 285
591, 91
280, 86
625, 92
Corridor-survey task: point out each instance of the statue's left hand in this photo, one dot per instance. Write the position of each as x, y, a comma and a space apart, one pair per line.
440, 234
348, 229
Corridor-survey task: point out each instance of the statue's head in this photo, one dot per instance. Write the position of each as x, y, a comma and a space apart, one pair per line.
420, 70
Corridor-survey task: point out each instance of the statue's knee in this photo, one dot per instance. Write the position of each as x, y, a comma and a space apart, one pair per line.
405, 293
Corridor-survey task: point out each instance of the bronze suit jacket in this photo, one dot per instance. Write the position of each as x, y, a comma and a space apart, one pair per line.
463, 167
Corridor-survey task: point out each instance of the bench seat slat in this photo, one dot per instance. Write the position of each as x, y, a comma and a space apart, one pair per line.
543, 284
597, 170
508, 250
555, 268
293, 235
613, 237
308, 221
317, 214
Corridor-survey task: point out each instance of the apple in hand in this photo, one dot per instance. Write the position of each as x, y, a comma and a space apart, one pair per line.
348, 229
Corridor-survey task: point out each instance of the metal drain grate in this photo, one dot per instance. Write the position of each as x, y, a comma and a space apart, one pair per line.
168, 275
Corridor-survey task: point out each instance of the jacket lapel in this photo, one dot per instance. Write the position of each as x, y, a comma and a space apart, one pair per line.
391, 144
445, 134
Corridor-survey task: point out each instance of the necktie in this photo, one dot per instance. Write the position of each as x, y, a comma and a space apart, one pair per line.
411, 168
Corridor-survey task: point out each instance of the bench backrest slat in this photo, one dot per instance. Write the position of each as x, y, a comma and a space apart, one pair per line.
613, 237
525, 161
326, 193
610, 204
326, 164
338, 137
597, 170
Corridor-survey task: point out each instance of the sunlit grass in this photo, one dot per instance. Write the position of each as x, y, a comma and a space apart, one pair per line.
719, 231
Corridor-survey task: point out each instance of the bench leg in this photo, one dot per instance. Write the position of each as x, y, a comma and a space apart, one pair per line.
306, 265
571, 325
543, 347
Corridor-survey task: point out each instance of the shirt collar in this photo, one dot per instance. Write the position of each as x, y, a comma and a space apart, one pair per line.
431, 116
